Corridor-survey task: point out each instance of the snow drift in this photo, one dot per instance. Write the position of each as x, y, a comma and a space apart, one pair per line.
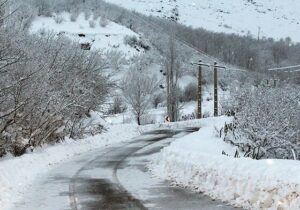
16, 174
196, 161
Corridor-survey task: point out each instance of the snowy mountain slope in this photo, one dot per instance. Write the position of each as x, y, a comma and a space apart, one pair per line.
263, 18
109, 37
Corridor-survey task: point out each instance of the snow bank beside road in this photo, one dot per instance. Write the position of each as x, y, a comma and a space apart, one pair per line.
196, 161
16, 174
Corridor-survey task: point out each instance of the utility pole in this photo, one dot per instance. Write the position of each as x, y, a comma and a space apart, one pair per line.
216, 101
199, 92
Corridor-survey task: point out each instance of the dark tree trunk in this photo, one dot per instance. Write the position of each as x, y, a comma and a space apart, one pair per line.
139, 120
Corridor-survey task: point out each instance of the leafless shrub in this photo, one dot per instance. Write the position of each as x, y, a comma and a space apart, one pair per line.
267, 122
74, 16
58, 19
47, 88
92, 23
103, 22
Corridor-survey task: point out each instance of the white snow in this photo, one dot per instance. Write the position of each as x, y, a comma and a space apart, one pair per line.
270, 18
110, 37
196, 161
16, 174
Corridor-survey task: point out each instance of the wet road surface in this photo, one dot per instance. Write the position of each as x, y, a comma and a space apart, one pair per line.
116, 178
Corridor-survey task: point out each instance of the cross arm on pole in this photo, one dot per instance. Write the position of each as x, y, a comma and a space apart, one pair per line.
201, 64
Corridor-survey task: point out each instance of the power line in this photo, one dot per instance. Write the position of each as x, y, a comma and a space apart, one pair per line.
284, 68
184, 43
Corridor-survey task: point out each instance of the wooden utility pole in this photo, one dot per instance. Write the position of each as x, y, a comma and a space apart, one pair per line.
199, 91
216, 101
199, 94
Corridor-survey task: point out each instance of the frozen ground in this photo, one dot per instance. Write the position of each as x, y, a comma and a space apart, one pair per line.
269, 18
196, 161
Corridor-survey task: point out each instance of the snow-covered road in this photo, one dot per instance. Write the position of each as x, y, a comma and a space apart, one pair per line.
114, 178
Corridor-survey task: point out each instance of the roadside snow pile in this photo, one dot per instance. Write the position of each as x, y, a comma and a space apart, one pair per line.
173, 126
16, 174
196, 161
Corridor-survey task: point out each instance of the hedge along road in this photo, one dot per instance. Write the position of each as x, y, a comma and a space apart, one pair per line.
115, 178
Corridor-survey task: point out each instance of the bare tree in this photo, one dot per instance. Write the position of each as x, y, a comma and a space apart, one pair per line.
138, 89
172, 68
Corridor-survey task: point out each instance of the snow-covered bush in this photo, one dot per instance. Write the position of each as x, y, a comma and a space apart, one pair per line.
44, 7
116, 59
92, 23
59, 19
133, 41
117, 106
190, 92
43, 98
148, 119
158, 99
74, 16
130, 40
206, 114
87, 14
42, 32
267, 122
95, 15
103, 22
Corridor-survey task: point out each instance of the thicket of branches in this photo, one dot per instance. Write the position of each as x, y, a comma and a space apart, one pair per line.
138, 88
48, 86
267, 122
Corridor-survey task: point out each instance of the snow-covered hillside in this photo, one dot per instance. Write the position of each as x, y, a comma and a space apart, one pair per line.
100, 34
266, 18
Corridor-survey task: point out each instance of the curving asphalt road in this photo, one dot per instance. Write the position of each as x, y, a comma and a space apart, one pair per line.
115, 178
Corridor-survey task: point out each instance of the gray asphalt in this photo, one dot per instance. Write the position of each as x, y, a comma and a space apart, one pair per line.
111, 194
116, 178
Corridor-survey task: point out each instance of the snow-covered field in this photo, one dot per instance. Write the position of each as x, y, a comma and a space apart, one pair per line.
269, 18
196, 161
107, 38
18, 173
158, 115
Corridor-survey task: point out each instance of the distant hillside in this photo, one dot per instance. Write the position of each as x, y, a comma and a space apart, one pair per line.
263, 18
98, 32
